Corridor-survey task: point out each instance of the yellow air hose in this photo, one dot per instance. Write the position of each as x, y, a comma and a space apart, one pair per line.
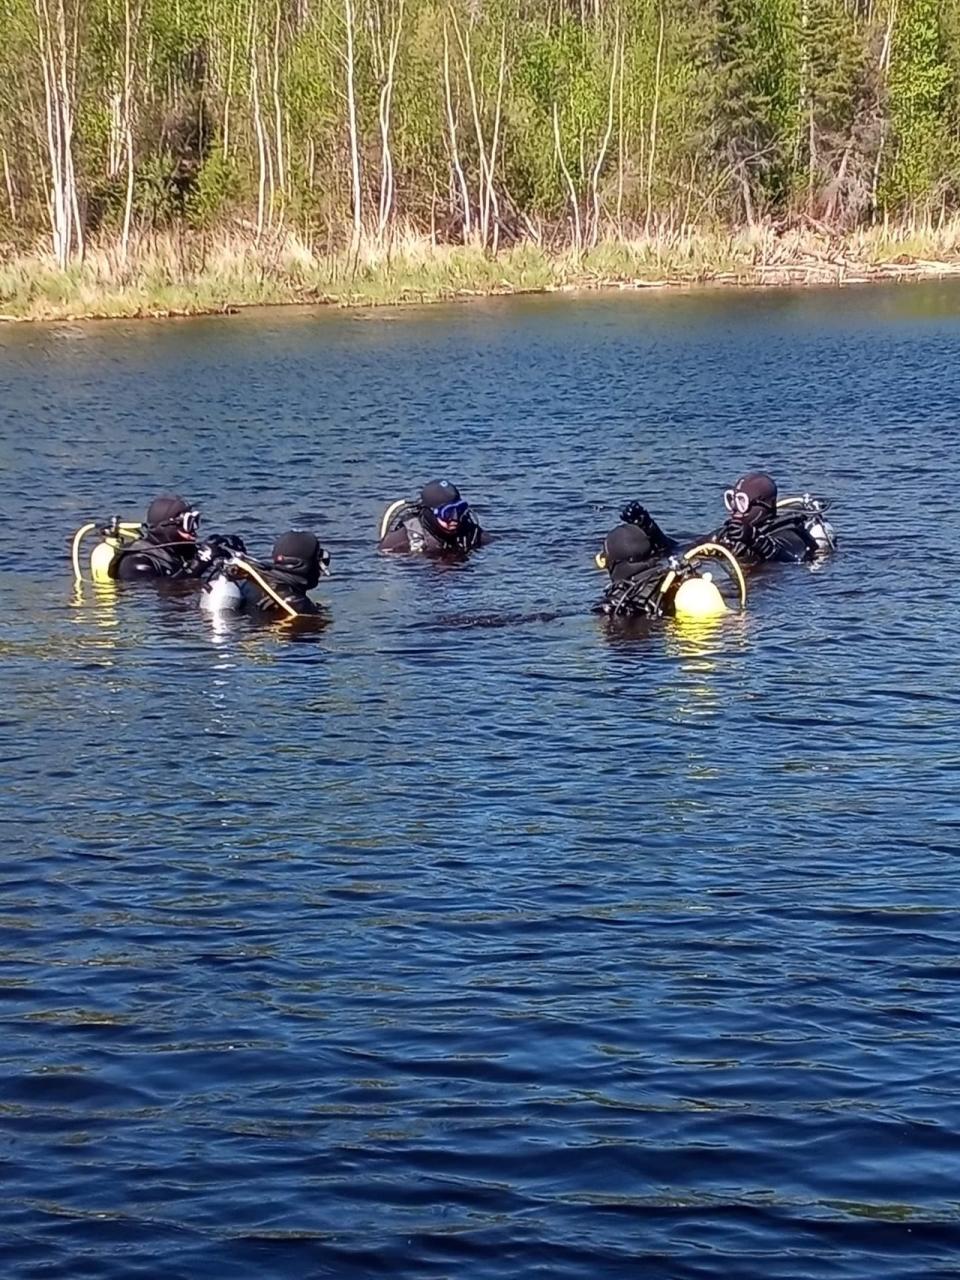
709, 548
712, 548
258, 578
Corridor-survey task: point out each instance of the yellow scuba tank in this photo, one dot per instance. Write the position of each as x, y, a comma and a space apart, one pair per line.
101, 558
696, 594
699, 597
115, 535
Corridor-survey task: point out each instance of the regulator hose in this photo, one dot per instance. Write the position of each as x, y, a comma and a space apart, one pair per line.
714, 548
115, 529
394, 506
78, 537
259, 579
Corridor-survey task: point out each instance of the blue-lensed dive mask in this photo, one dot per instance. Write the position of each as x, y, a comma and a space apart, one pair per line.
451, 514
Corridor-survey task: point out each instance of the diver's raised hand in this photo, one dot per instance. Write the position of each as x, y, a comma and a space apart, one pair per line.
636, 513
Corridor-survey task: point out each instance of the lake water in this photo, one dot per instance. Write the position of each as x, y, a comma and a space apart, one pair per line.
460, 938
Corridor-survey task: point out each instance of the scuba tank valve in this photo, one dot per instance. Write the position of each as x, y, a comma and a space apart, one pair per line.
819, 529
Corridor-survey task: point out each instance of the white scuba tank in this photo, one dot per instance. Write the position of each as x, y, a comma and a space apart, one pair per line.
220, 595
822, 532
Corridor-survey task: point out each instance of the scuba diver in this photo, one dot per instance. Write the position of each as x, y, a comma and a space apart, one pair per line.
648, 581
636, 566
277, 590
759, 528
167, 546
440, 524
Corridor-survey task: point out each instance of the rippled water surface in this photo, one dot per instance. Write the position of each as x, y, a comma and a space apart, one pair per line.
459, 938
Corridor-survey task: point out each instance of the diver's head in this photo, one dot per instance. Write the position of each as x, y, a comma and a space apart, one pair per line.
444, 510
300, 555
752, 499
171, 520
625, 548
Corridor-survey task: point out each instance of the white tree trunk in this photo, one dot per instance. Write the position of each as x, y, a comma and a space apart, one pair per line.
54, 49
574, 201
386, 102
654, 116
354, 132
454, 148
262, 159
128, 43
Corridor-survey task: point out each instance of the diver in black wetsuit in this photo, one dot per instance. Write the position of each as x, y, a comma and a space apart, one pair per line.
297, 563
756, 532
167, 547
441, 524
637, 563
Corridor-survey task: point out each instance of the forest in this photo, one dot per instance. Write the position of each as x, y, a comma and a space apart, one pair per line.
491, 123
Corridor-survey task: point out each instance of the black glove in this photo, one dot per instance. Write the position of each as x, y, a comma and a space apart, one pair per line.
219, 546
746, 534
636, 513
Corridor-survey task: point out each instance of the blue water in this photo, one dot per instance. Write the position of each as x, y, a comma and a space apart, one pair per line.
461, 938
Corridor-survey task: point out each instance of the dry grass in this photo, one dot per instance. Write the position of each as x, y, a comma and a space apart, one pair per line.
169, 276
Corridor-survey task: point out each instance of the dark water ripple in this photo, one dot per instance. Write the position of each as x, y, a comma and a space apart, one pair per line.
458, 938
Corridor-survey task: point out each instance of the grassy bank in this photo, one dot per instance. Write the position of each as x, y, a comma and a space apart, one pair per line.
170, 276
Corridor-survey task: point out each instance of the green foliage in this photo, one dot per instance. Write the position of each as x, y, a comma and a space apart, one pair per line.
919, 79
212, 194
654, 112
154, 196
750, 68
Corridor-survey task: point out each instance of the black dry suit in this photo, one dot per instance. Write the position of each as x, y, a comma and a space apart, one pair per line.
637, 566
167, 546
296, 565
756, 532
417, 526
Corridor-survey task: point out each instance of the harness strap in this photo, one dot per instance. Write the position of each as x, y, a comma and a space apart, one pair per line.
415, 535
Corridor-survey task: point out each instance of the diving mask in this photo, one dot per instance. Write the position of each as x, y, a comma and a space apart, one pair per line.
188, 524
451, 513
736, 501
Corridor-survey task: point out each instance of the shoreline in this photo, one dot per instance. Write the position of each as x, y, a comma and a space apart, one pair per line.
235, 275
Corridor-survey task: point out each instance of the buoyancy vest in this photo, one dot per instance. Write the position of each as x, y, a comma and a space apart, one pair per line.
287, 586
638, 594
152, 560
783, 536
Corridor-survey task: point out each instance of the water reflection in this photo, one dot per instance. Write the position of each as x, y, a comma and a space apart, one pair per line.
99, 599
